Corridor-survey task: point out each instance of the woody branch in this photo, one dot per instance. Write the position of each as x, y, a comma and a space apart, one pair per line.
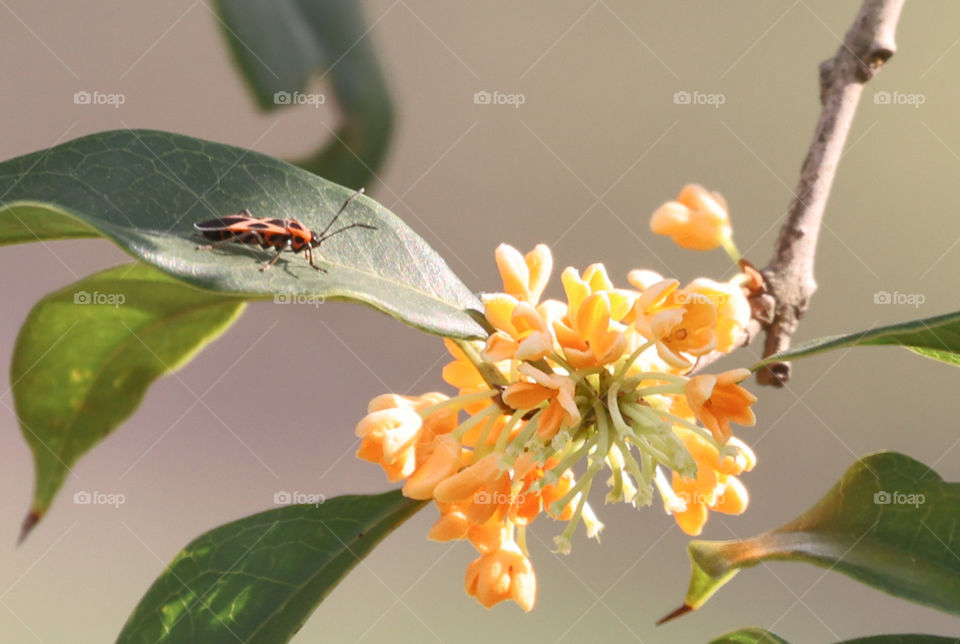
789, 277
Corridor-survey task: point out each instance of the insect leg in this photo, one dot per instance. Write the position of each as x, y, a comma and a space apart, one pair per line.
310, 257
272, 261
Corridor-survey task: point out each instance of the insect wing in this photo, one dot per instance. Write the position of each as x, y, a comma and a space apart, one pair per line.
229, 222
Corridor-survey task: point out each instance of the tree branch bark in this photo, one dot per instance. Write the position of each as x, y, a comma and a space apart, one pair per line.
789, 277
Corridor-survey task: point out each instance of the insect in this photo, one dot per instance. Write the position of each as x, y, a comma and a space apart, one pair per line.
281, 234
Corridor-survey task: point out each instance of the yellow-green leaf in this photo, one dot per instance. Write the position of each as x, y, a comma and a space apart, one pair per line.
87, 353
890, 522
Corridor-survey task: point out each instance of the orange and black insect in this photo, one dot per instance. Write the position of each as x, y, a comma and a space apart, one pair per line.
280, 234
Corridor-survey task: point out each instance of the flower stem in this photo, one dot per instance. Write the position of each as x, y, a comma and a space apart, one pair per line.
622, 369
656, 375
660, 389
731, 249
474, 420
458, 402
491, 374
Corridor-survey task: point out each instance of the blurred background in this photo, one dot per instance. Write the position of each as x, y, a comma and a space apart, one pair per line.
596, 145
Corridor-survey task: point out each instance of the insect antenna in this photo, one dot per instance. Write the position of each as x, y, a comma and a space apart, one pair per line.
340, 230
324, 235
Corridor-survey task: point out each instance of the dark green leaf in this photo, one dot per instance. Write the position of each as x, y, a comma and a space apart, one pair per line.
280, 44
937, 337
749, 636
87, 353
259, 579
890, 522
761, 636
145, 190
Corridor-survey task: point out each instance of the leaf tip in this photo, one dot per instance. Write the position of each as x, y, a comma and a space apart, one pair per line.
680, 612
29, 523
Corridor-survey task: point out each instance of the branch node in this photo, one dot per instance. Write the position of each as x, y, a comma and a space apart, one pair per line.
775, 374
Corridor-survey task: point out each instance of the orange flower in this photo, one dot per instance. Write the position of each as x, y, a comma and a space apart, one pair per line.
455, 524
468, 481
522, 333
489, 536
452, 525
702, 451
482, 489
527, 504
440, 422
556, 491
524, 277
389, 437
591, 331
697, 220
588, 337
715, 487
718, 400
444, 461
502, 574
702, 317
732, 309
595, 280
677, 323
556, 388
463, 374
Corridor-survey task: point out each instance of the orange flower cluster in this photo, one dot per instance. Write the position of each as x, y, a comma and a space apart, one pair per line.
597, 381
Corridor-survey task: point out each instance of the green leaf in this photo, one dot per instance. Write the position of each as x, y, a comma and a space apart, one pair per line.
937, 337
890, 522
259, 579
44, 224
761, 636
280, 44
87, 353
144, 190
749, 636
904, 638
